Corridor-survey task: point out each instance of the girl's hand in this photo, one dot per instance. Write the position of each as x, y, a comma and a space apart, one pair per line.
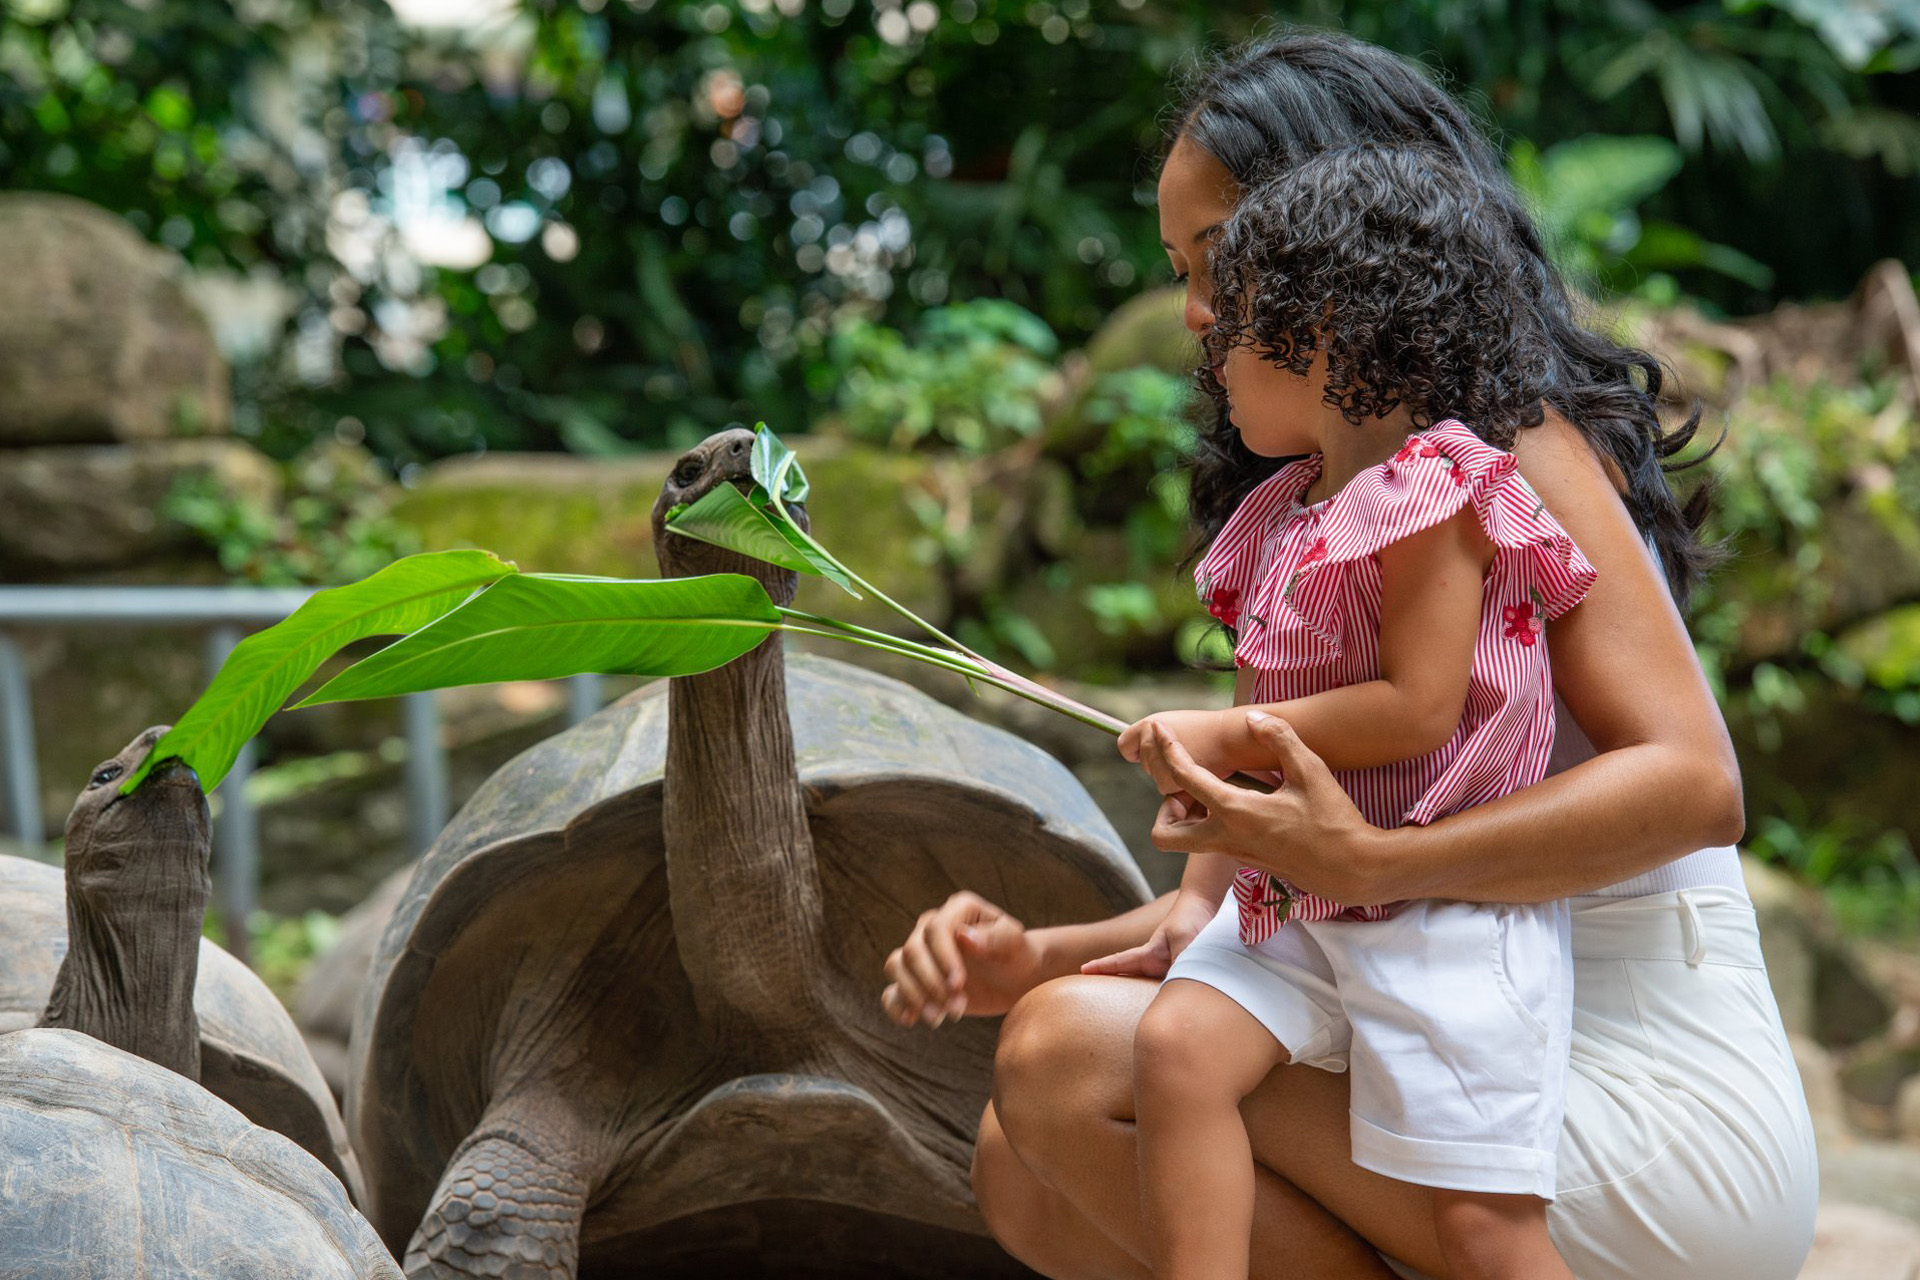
1308, 830
964, 956
1186, 918
1205, 734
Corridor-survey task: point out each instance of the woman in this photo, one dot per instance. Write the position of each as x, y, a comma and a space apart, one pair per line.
1686, 1149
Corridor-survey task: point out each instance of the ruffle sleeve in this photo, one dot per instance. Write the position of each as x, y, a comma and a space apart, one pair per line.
1434, 475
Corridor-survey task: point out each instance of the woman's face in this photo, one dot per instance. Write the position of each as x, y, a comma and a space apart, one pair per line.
1276, 412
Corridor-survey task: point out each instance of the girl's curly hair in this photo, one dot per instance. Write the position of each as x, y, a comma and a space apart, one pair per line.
1390, 259
1269, 106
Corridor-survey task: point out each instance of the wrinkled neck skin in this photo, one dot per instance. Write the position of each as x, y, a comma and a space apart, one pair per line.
741, 874
133, 954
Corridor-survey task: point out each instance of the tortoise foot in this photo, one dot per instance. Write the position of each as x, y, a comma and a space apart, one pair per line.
501, 1210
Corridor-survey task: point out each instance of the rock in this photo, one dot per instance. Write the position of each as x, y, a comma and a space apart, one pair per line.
1874, 1072
1880, 1175
1145, 331
98, 339
1851, 763
1906, 1110
1855, 1242
1823, 988
1820, 1080
79, 508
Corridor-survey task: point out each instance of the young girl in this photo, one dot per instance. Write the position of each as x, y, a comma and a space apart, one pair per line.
1387, 593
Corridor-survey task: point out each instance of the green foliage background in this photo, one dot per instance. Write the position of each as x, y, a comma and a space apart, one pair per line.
680, 198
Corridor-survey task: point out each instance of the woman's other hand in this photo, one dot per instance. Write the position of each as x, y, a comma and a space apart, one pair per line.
1308, 830
1185, 919
964, 956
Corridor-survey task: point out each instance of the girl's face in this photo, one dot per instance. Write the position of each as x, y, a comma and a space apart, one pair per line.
1276, 412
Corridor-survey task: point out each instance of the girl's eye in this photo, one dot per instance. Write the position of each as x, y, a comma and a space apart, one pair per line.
1182, 278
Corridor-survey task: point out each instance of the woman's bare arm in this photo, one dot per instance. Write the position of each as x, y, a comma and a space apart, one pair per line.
1665, 781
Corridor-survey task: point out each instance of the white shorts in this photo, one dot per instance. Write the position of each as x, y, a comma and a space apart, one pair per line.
1454, 1018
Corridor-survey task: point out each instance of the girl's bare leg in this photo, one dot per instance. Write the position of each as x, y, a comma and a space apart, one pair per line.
1195, 1056
1063, 1104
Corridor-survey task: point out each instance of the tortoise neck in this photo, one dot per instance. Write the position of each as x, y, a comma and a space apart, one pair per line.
741, 875
131, 964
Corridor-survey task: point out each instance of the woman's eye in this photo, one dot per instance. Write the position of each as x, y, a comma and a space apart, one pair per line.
105, 774
1183, 277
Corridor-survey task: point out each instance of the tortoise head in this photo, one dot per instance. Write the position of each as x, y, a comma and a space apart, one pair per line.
723, 458
156, 840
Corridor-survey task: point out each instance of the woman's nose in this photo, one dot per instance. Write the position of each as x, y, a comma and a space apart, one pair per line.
1198, 316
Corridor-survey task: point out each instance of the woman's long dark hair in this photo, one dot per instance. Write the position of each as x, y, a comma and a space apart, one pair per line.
1266, 106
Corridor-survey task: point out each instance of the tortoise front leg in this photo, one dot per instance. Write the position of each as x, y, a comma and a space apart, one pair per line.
509, 1204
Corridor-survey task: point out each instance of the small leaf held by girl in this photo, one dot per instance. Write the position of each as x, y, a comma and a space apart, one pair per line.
1388, 590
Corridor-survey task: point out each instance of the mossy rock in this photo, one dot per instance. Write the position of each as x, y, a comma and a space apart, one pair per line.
1147, 331
563, 514
1086, 646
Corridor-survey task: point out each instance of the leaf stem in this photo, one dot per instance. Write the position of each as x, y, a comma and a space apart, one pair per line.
1000, 679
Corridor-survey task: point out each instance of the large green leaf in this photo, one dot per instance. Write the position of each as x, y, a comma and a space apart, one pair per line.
268, 665
727, 518
777, 468
538, 626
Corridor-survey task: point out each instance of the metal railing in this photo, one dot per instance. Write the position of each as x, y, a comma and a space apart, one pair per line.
225, 613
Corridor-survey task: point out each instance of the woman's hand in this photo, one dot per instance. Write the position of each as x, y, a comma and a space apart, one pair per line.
964, 956
1308, 830
1185, 919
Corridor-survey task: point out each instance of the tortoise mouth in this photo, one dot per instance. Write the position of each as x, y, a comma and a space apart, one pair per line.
169, 778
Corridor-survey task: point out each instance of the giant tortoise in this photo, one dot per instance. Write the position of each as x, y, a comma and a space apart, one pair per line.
627, 1012
113, 1166
138, 975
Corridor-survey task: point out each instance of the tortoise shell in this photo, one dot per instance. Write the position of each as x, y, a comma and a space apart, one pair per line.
116, 1166
251, 1054
536, 940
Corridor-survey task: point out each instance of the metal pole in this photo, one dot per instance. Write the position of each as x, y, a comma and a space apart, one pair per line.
584, 696
236, 832
16, 747
426, 770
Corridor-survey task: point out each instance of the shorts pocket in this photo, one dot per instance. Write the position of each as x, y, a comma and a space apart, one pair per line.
1524, 956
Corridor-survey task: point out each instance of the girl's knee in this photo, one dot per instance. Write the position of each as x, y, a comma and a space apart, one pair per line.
1194, 1043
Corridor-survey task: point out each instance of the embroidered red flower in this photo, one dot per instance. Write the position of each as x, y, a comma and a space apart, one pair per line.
1315, 553
1225, 605
1523, 623
1416, 448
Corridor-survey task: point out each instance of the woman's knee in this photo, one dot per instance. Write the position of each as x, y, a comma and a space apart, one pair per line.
1064, 1058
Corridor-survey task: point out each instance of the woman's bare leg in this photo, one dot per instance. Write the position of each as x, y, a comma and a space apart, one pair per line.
1037, 1224
1063, 1102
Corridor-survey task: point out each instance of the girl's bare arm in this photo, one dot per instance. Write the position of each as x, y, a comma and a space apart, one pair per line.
1430, 589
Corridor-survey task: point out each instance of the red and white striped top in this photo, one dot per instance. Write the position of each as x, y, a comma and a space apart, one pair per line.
1300, 586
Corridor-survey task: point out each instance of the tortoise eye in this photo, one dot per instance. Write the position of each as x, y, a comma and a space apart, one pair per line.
687, 472
105, 773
